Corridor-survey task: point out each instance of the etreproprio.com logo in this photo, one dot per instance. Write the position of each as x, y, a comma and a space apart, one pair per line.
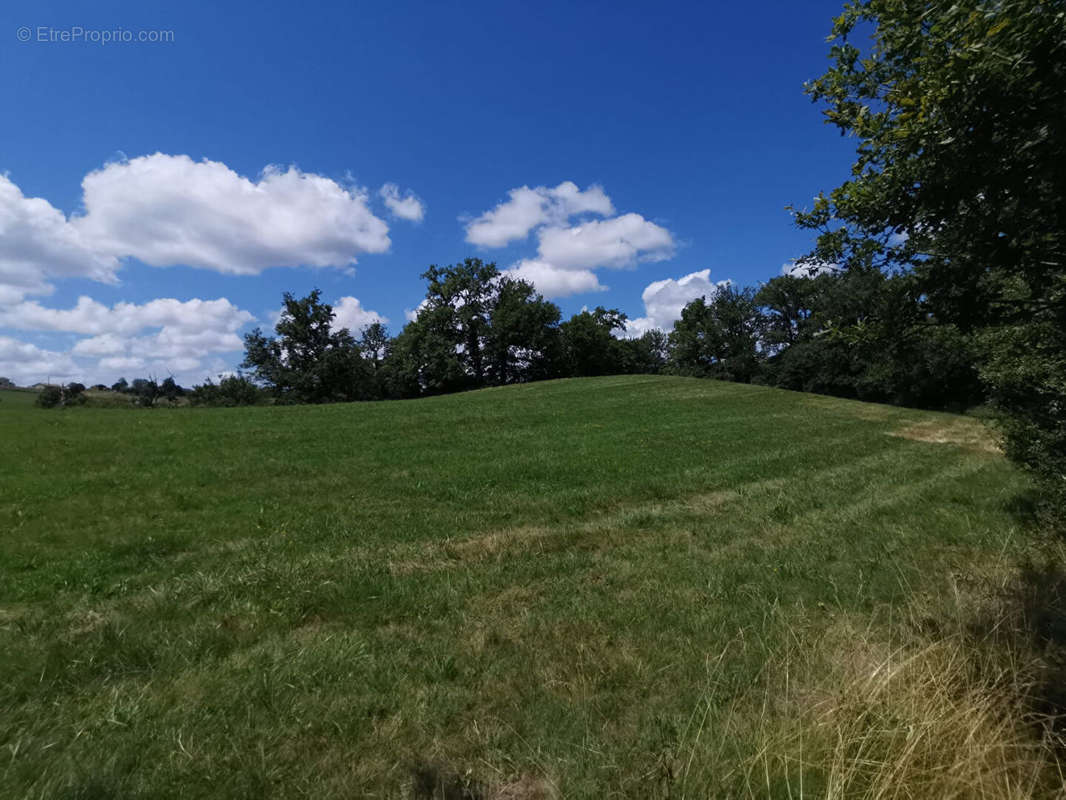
76, 34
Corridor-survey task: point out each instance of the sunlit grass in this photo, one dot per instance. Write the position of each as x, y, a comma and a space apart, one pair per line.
532, 586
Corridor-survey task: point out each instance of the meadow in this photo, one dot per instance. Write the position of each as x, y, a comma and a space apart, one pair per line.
576, 588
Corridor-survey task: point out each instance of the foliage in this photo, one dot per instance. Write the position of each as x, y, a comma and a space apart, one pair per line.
120, 385
475, 328
145, 392
50, 397
862, 334
230, 391
960, 178
719, 337
308, 361
589, 347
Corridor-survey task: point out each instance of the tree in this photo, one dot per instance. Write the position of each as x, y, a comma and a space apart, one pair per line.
960, 179
719, 337
647, 354
464, 294
475, 328
120, 385
7, 383
50, 397
589, 346
788, 303
170, 389
522, 343
145, 392
375, 346
231, 390
308, 361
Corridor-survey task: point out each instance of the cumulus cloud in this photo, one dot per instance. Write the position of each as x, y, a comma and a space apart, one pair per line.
37, 244
554, 282
568, 249
166, 210
526, 209
165, 335
26, 363
618, 242
405, 206
349, 313
663, 300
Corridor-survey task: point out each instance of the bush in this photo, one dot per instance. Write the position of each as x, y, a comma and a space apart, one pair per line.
50, 397
230, 391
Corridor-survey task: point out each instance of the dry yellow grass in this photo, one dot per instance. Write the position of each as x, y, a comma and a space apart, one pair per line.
847, 714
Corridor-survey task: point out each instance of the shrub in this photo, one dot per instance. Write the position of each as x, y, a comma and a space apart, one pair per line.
232, 390
50, 397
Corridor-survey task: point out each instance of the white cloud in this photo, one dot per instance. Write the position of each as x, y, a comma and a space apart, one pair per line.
25, 363
528, 208
37, 243
554, 282
406, 206
89, 316
349, 313
663, 300
618, 242
411, 314
162, 336
568, 251
166, 210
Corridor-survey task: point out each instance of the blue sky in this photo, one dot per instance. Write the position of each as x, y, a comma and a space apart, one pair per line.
689, 117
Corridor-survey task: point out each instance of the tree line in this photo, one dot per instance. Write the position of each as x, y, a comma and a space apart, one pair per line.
856, 333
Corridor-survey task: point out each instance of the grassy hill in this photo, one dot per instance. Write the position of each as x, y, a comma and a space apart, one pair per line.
561, 589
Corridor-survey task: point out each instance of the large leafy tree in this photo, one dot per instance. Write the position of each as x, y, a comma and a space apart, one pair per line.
719, 337
960, 179
465, 293
522, 343
589, 346
477, 327
308, 361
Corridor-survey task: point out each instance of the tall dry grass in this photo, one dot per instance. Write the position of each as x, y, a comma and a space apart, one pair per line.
958, 698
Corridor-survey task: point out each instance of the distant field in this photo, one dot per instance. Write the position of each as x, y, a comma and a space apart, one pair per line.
551, 585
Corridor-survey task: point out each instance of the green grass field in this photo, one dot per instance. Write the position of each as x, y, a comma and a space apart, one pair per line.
551, 585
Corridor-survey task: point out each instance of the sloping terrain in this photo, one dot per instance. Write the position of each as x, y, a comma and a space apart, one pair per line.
550, 589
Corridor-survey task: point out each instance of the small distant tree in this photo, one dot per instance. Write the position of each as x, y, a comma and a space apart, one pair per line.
74, 394
145, 392
120, 386
170, 390
7, 383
